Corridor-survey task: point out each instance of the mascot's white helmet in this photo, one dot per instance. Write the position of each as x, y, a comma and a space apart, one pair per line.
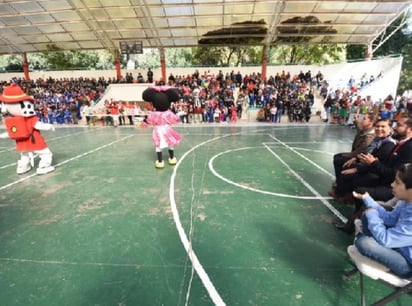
17, 102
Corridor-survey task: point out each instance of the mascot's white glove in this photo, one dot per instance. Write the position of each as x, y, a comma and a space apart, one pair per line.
4, 135
44, 126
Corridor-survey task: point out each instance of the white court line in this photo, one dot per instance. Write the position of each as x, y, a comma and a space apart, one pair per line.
210, 288
311, 150
283, 195
49, 140
302, 156
7, 149
324, 202
65, 162
79, 263
187, 244
8, 165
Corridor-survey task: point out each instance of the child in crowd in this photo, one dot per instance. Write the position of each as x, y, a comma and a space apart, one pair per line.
386, 236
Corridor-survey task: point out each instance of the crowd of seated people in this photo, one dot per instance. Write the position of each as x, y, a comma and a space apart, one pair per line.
205, 97
60, 100
208, 97
212, 98
343, 104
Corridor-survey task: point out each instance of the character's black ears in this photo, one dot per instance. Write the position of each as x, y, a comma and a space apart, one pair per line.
160, 98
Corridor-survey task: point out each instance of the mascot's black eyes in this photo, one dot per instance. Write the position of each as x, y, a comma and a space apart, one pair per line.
24, 105
27, 108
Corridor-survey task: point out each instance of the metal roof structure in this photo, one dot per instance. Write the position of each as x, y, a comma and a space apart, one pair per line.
35, 26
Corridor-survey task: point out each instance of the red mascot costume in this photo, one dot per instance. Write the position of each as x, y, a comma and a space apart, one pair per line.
24, 127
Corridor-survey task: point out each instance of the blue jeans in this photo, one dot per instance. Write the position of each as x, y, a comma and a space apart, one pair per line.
279, 115
391, 258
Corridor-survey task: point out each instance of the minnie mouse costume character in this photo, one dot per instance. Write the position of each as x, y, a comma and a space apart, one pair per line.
164, 136
24, 127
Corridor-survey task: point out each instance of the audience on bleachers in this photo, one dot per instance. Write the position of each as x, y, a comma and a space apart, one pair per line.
213, 97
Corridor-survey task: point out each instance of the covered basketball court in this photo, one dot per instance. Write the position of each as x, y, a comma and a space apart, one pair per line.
242, 219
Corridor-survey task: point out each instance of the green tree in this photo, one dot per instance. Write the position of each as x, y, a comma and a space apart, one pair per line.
211, 56
11, 63
59, 59
400, 42
307, 54
226, 56
37, 61
355, 52
283, 54
178, 57
149, 59
405, 80
106, 59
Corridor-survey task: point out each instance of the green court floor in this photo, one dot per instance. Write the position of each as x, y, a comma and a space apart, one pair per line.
242, 219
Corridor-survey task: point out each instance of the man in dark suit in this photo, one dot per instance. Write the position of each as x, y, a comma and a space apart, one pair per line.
364, 135
401, 154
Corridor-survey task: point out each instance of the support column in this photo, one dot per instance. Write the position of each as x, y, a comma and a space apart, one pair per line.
369, 52
26, 67
117, 64
163, 64
264, 62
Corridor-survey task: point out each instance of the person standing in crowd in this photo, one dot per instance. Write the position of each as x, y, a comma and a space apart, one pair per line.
121, 107
88, 113
149, 76
129, 110
114, 112
233, 114
73, 111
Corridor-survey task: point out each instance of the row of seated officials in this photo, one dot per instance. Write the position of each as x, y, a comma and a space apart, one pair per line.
376, 178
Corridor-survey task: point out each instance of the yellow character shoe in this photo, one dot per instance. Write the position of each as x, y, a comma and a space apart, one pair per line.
172, 161
159, 165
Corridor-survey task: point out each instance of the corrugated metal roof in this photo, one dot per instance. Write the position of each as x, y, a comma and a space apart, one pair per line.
35, 26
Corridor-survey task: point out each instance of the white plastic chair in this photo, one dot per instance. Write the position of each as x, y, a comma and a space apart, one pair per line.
377, 271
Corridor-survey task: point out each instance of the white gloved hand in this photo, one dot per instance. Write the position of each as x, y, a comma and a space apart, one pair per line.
44, 126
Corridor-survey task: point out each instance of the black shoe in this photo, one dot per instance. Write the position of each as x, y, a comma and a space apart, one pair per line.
348, 227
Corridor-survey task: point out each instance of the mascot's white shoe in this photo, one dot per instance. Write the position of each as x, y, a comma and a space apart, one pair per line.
44, 170
159, 164
172, 161
23, 167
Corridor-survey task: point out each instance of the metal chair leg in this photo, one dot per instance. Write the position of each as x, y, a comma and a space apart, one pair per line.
394, 295
362, 292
